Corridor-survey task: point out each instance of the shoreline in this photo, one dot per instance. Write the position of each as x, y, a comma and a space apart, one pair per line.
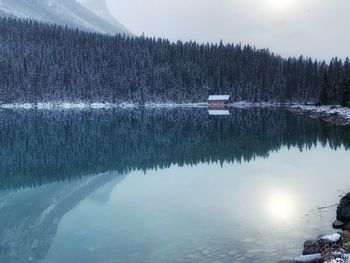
125, 105
94, 105
336, 115
332, 248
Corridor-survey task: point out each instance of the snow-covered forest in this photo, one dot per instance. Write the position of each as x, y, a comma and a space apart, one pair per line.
41, 62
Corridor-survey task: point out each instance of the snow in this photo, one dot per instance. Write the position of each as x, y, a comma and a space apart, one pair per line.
308, 258
64, 106
175, 105
101, 106
95, 105
24, 106
333, 238
341, 111
68, 12
219, 97
246, 104
345, 258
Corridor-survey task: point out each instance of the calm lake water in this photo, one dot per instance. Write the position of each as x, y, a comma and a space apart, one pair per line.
166, 185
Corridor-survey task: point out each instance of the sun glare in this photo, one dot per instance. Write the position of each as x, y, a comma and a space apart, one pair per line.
281, 4
281, 206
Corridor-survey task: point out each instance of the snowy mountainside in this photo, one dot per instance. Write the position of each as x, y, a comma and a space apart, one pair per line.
64, 12
100, 8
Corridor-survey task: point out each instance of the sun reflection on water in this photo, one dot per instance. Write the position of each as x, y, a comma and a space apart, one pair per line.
281, 206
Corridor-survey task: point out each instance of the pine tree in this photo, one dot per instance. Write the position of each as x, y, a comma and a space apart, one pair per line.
345, 93
324, 91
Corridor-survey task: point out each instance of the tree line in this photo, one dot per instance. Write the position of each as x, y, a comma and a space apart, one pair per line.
41, 62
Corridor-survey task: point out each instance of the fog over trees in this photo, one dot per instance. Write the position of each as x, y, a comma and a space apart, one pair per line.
40, 62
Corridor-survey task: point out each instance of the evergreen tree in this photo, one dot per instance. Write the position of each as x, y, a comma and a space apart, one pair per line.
324, 91
345, 93
40, 62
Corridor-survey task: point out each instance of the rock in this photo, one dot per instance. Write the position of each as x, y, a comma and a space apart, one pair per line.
337, 224
343, 209
346, 227
311, 250
311, 247
315, 258
325, 242
309, 243
316, 246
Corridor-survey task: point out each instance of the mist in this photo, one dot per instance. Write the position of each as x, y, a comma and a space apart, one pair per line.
316, 28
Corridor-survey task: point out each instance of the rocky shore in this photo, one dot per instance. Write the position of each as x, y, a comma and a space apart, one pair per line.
334, 114
333, 248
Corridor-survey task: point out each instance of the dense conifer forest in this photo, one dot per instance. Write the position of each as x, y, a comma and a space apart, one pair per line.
41, 62
38, 147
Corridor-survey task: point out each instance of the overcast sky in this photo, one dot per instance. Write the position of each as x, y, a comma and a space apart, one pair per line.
317, 28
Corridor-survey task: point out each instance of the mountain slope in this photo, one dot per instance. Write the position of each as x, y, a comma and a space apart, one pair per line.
65, 12
99, 8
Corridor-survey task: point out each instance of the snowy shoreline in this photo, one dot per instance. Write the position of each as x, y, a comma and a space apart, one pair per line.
126, 105
96, 106
335, 114
333, 248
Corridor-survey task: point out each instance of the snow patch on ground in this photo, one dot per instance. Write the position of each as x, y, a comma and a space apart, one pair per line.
24, 106
246, 104
65, 106
345, 258
176, 105
96, 105
333, 238
331, 110
308, 258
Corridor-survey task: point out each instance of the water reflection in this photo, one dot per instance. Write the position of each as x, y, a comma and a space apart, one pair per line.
30, 217
38, 147
281, 205
228, 188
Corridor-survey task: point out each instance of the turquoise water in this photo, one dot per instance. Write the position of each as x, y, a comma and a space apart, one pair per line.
170, 185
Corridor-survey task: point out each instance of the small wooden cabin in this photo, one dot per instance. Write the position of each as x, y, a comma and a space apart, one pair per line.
218, 100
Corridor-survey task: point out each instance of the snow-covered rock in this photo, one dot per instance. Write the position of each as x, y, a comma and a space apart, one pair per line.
308, 258
330, 110
332, 238
345, 258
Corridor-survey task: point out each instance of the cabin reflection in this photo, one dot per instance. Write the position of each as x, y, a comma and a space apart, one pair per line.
219, 112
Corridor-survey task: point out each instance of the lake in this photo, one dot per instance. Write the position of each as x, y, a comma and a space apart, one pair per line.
166, 185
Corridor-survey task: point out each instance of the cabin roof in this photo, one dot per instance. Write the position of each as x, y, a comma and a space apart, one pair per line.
219, 97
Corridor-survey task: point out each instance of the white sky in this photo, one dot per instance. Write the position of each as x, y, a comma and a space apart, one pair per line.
316, 28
